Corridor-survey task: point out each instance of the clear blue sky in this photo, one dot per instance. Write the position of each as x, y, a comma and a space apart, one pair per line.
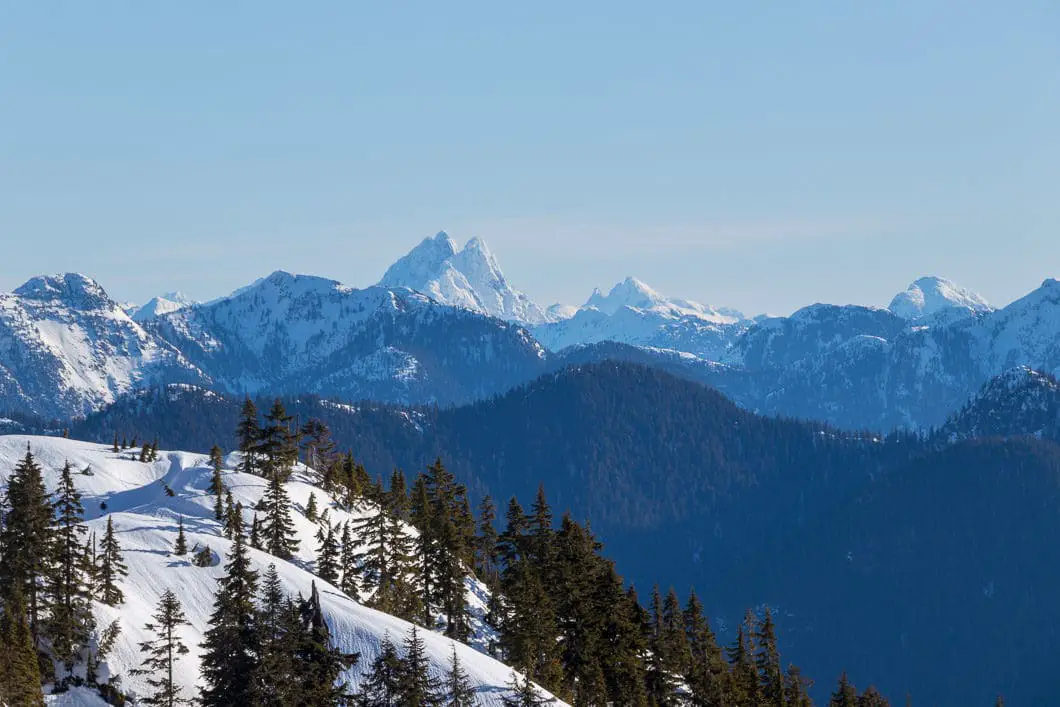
759, 155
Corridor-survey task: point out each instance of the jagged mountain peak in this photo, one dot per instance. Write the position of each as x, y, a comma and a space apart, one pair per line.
930, 295
631, 292
72, 288
469, 278
158, 306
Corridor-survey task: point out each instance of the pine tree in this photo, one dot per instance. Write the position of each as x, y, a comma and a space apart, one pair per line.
845, 694
111, 568
180, 547
705, 675
278, 533
416, 688
767, 662
319, 448
277, 445
26, 539
373, 561
458, 690
255, 533
249, 433
20, 678
523, 693
217, 485
797, 688
743, 679
230, 522
348, 560
70, 623
486, 557
163, 652
231, 647
383, 681
328, 555
319, 663
660, 678
279, 627
872, 698
311, 508
203, 558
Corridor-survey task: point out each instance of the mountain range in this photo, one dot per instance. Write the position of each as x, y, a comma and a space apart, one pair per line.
445, 326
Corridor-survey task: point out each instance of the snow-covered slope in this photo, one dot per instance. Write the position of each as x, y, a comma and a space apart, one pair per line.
146, 518
164, 304
633, 313
930, 296
67, 348
468, 278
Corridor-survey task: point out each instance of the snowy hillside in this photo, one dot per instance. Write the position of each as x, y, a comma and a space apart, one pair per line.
146, 517
164, 304
633, 313
468, 278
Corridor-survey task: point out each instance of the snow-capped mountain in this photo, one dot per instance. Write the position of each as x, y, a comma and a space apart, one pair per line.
931, 296
1020, 401
468, 278
163, 304
634, 313
145, 520
67, 348
299, 333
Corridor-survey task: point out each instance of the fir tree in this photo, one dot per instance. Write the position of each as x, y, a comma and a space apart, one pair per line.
705, 674
319, 663
20, 678
279, 626
311, 508
523, 693
277, 445
249, 433
231, 648
180, 547
382, 683
111, 568
743, 681
70, 623
203, 558
26, 539
845, 695
328, 555
767, 662
319, 448
872, 698
163, 652
348, 560
217, 485
231, 522
486, 557
458, 690
278, 533
416, 688
797, 688
255, 533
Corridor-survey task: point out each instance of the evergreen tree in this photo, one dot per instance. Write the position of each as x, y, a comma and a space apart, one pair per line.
797, 688
20, 678
231, 523
277, 445
767, 662
279, 629
319, 447
311, 508
217, 485
845, 694
382, 683
249, 433
203, 558
660, 679
523, 693
231, 648
70, 623
416, 688
111, 568
163, 652
372, 561
743, 679
319, 663
278, 533
348, 560
872, 698
458, 690
115, 448
328, 555
706, 670
486, 556
26, 539
255, 533
180, 547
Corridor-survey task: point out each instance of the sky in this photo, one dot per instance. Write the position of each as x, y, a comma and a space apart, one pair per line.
756, 155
